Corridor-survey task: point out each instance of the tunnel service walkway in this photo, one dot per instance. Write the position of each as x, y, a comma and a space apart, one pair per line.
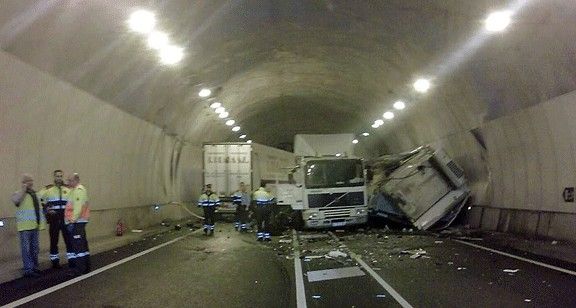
333, 269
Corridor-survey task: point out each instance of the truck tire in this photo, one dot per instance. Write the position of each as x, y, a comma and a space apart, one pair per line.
297, 221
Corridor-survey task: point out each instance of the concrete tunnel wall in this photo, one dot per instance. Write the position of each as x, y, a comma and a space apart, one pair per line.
517, 165
126, 164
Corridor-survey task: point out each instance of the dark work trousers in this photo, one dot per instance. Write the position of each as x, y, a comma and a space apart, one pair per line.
209, 217
241, 216
80, 260
56, 225
263, 213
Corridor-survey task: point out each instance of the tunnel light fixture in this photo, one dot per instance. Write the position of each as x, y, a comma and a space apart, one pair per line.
388, 115
379, 122
204, 92
142, 21
230, 123
355, 141
365, 134
157, 40
223, 115
399, 105
249, 141
497, 21
219, 110
375, 125
422, 85
171, 55
235, 128
338, 154
242, 136
215, 105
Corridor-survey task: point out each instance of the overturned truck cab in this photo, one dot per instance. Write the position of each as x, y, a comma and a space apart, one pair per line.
424, 188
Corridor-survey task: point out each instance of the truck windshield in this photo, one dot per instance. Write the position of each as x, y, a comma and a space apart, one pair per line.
334, 173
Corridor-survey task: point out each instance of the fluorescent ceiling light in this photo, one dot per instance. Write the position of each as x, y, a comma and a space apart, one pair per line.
399, 105
355, 141
235, 128
204, 93
220, 110
249, 141
242, 136
365, 134
497, 21
422, 85
215, 105
142, 21
223, 115
171, 55
379, 122
388, 115
157, 40
230, 122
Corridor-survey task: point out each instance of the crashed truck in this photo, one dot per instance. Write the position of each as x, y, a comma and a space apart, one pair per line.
423, 188
328, 187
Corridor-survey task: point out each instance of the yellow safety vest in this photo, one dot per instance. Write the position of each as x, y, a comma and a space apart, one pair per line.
26, 216
77, 208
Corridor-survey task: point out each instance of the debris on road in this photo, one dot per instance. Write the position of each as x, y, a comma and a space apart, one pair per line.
285, 241
337, 254
414, 254
316, 296
381, 295
510, 270
136, 230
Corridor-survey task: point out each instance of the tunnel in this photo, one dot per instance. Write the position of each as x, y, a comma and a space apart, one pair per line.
124, 93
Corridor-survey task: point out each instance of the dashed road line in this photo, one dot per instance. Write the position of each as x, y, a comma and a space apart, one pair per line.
375, 275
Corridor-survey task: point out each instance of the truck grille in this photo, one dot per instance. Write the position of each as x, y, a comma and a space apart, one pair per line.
336, 199
331, 214
455, 169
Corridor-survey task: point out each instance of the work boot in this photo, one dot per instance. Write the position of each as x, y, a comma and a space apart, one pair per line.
205, 231
56, 264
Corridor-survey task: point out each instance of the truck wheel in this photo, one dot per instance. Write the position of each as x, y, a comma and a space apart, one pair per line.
297, 220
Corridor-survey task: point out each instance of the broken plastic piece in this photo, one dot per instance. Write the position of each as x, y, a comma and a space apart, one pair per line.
511, 270
316, 296
337, 253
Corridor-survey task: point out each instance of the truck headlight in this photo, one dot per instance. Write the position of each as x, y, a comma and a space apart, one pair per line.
313, 216
360, 212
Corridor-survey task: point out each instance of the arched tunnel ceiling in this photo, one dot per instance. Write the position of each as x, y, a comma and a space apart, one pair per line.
287, 67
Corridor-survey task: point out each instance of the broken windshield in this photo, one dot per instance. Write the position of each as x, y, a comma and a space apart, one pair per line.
334, 173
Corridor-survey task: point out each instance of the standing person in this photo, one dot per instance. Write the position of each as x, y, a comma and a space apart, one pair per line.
263, 211
242, 200
208, 201
76, 216
29, 220
54, 198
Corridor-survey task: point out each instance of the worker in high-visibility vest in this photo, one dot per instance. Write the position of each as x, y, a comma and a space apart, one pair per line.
76, 216
241, 198
29, 220
208, 201
54, 198
264, 201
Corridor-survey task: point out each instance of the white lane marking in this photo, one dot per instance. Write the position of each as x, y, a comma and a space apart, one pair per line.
556, 268
300, 291
374, 275
86, 276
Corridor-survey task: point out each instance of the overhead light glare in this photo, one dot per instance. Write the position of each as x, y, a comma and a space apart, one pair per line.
215, 105
219, 110
365, 134
379, 122
223, 115
157, 40
242, 136
171, 55
204, 93
399, 105
338, 154
497, 21
235, 128
422, 85
388, 115
375, 125
249, 141
355, 141
142, 21
230, 123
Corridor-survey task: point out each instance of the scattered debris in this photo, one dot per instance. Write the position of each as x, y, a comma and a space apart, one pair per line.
381, 295
285, 241
316, 296
554, 242
415, 254
467, 238
511, 270
136, 230
177, 227
337, 253
438, 242
461, 268
527, 300
340, 231
313, 236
